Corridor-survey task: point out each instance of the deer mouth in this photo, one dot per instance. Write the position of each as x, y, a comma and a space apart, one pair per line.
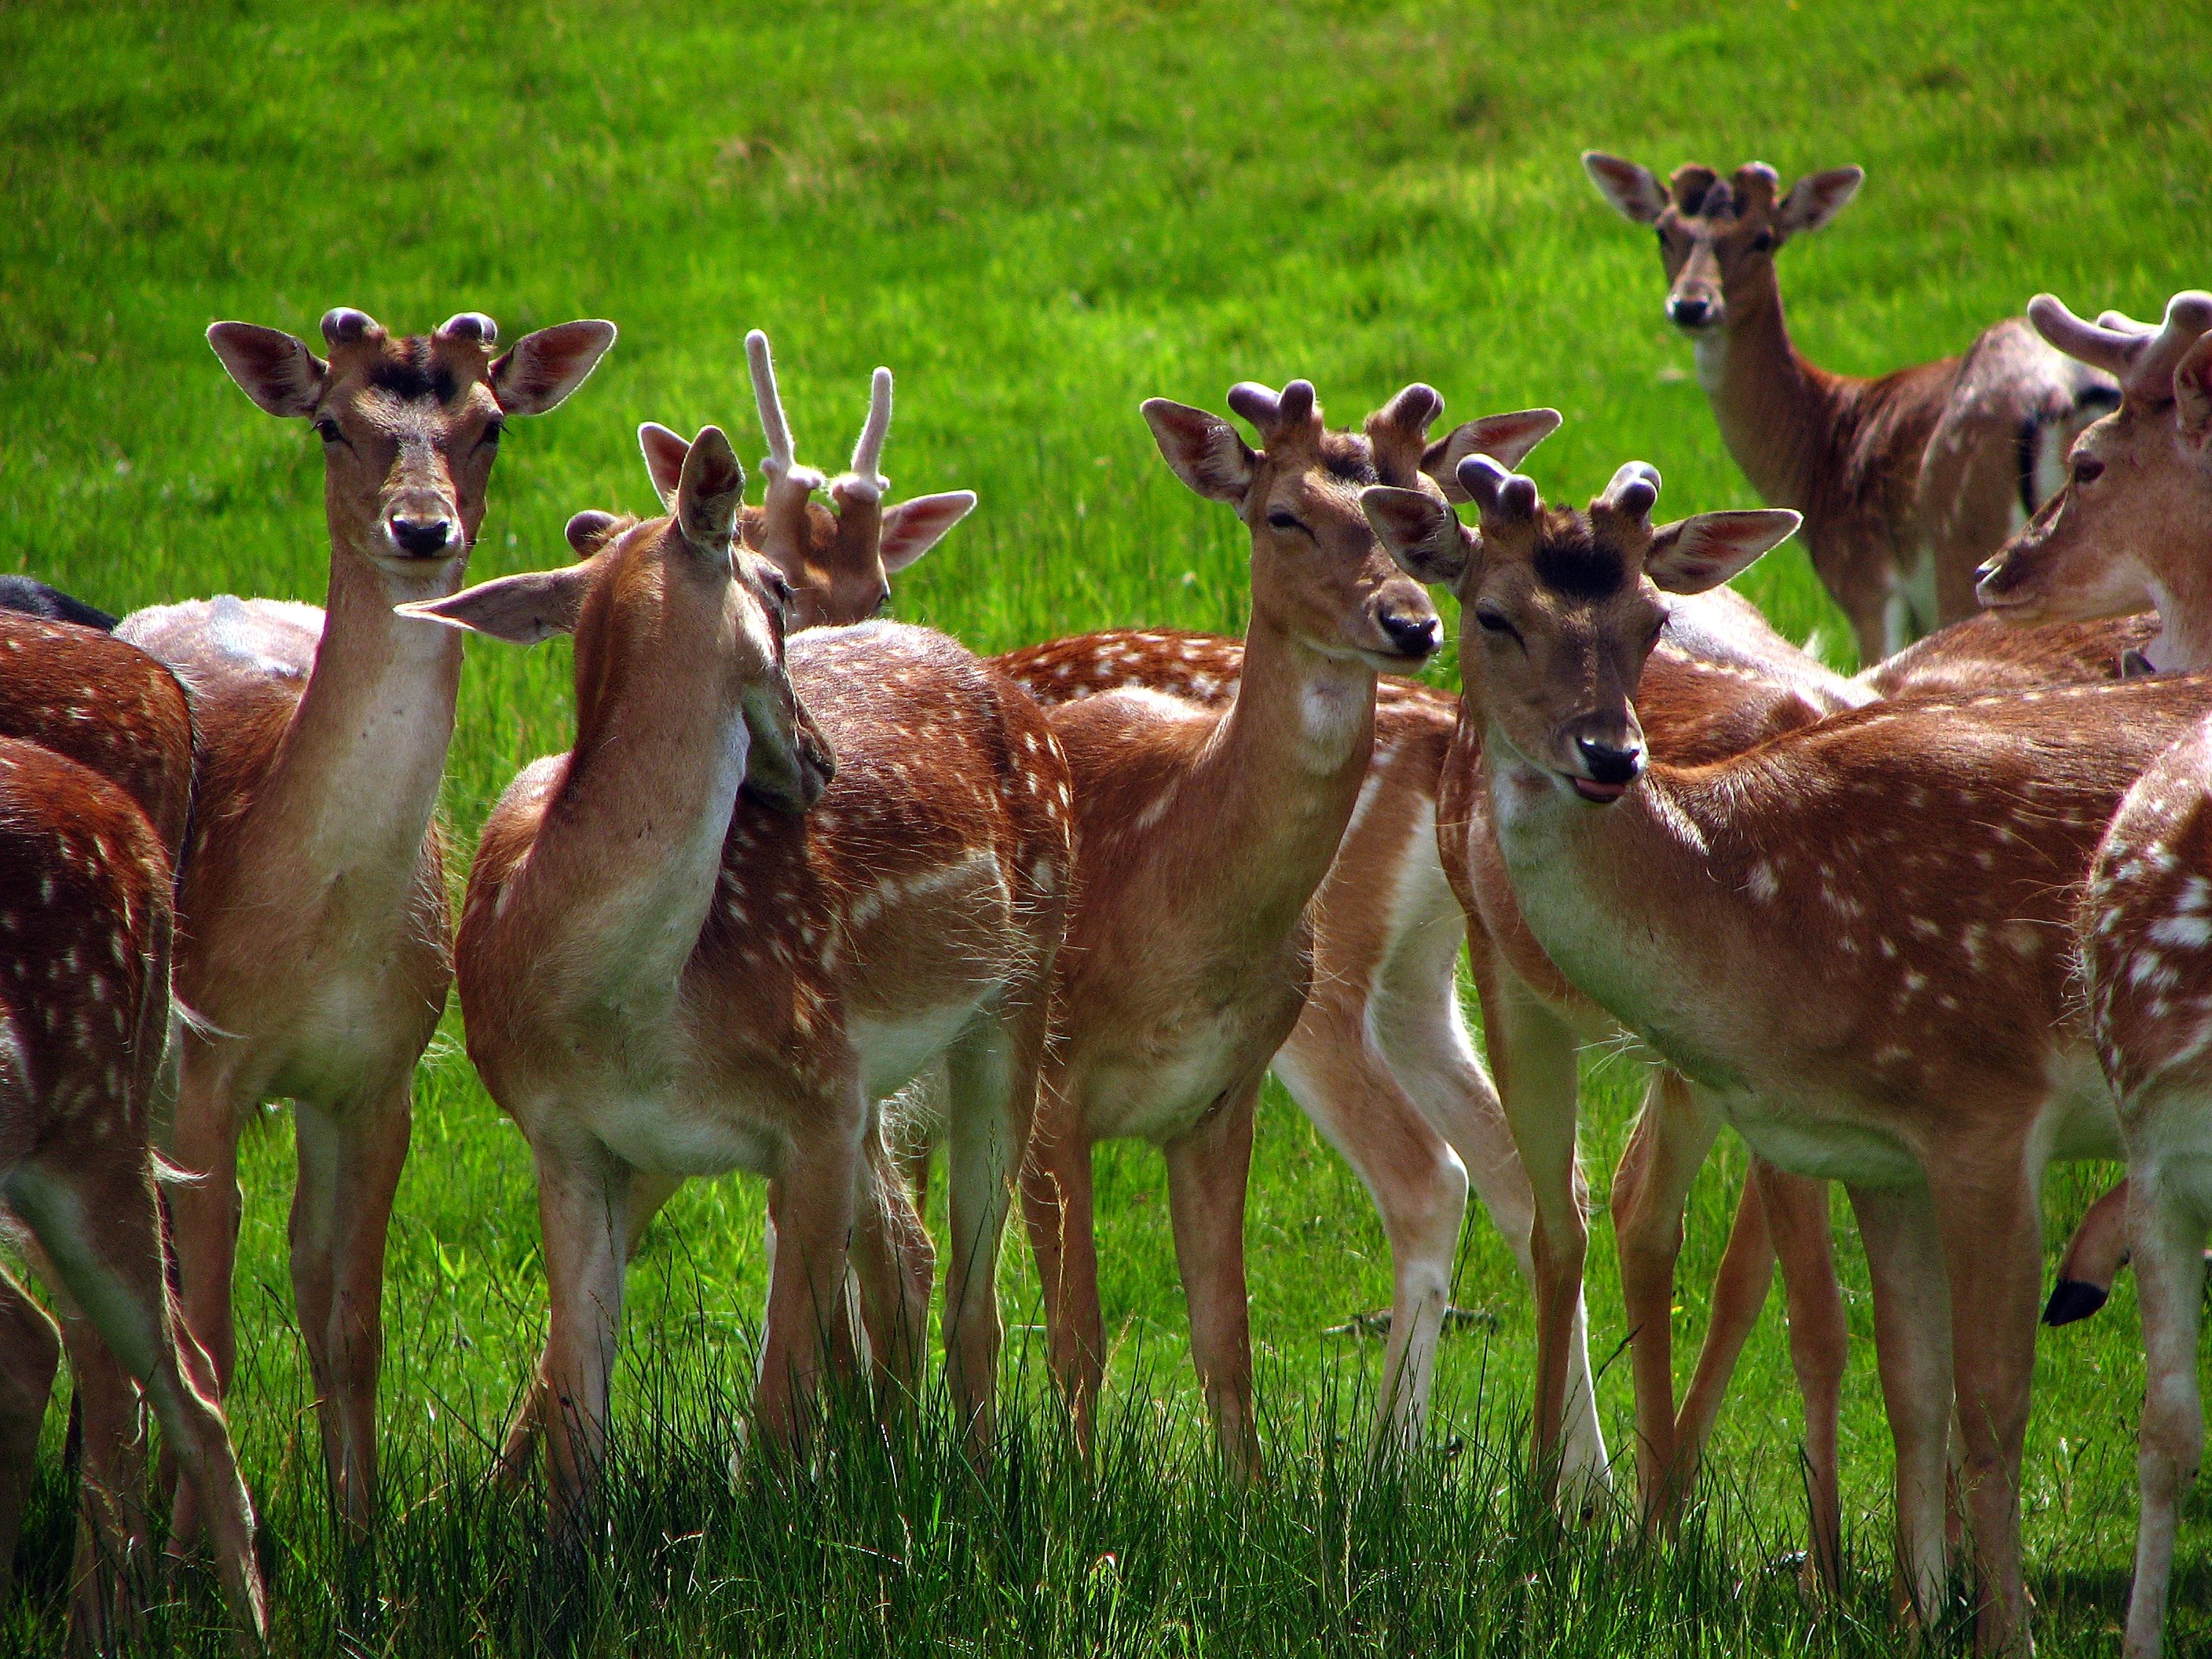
1598, 794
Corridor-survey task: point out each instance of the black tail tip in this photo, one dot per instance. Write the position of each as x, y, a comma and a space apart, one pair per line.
2072, 1299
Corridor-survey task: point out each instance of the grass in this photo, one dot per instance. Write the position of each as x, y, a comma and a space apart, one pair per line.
1038, 215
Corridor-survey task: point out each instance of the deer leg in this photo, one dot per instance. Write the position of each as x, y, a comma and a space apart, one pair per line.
582, 1202
650, 1191
350, 1160
1532, 1055
97, 1223
1208, 1166
1797, 1211
2093, 1261
1912, 1348
110, 1575
1056, 1204
1740, 1288
1674, 1132
808, 1322
2171, 1207
895, 1264
30, 1351
993, 1072
1992, 1237
1415, 1180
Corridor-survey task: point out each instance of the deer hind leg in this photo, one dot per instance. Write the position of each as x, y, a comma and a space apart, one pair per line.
1532, 1055
2094, 1258
2170, 1210
1208, 1166
1673, 1135
808, 1325
97, 1224
1992, 1235
650, 1191
350, 1160
30, 1351
1415, 1179
894, 1265
993, 1074
1056, 1203
1912, 1328
1797, 1211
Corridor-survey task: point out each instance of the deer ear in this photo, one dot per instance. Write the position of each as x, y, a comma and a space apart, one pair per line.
520, 610
1205, 450
1419, 531
710, 491
1635, 192
2192, 393
274, 368
1508, 437
664, 459
545, 367
912, 528
1692, 554
1816, 199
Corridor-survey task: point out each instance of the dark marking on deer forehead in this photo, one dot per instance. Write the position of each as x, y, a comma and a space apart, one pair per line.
1350, 457
1571, 559
411, 369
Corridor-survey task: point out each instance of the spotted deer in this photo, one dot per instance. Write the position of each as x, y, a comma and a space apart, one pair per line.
2132, 527
312, 929
1854, 938
1905, 482
662, 979
90, 820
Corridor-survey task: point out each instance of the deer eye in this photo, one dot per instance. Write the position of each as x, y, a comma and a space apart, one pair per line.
1493, 621
1763, 243
494, 431
2087, 469
327, 430
1280, 519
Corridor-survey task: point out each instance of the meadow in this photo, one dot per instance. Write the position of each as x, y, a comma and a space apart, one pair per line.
1038, 215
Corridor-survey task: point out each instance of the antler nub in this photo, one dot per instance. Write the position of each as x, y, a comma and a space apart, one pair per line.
779, 462
1272, 414
469, 326
1633, 492
344, 325
2142, 358
1502, 496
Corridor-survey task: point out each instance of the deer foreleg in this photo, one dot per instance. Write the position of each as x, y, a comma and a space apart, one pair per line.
1796, 1210
1208, 1169
2169, 1216
1056, 1204
582, 1201
808, 1325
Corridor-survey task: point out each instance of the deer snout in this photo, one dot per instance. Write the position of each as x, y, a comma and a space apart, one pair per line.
421, 538
1410, 634
1607, 761
1693, 310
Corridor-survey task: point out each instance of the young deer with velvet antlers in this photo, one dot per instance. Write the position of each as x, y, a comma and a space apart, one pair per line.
312, 949
1906, 482
1913, 865
95, 792
2132, 527
663, 980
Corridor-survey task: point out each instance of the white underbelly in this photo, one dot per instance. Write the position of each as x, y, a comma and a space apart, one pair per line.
893, 1052
665, 1132
1159, 1096
1788, 1136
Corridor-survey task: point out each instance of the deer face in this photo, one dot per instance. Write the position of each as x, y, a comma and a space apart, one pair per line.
1560, 609
2138, 487
410, 428
1717, 237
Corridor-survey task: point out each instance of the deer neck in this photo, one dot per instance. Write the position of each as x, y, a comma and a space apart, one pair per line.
349, 796
2183, 594
1281, 774
1778, 414
623, 870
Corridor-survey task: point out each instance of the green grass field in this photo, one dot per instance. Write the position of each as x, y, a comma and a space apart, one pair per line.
1038, 215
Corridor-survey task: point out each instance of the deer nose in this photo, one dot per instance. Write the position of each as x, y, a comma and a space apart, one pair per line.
1690, 311
1411, 636
422, 538
1608, 764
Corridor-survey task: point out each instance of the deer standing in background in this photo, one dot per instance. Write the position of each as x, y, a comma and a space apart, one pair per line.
2131, 527
1906, 482
313, 943
95, 790
1854, 939
662, 981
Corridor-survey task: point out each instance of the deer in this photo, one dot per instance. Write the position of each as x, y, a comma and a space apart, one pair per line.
663, 978
312, 928
29, 597
1906, 482
91, 817
1853, 939
2128, 530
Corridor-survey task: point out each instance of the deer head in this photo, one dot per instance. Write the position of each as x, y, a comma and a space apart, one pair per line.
656, 605
1560, 609
839, 559
2131, 528
1717, 237
410, 427
1317, 570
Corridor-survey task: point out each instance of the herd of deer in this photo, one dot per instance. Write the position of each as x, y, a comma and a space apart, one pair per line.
813, 893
